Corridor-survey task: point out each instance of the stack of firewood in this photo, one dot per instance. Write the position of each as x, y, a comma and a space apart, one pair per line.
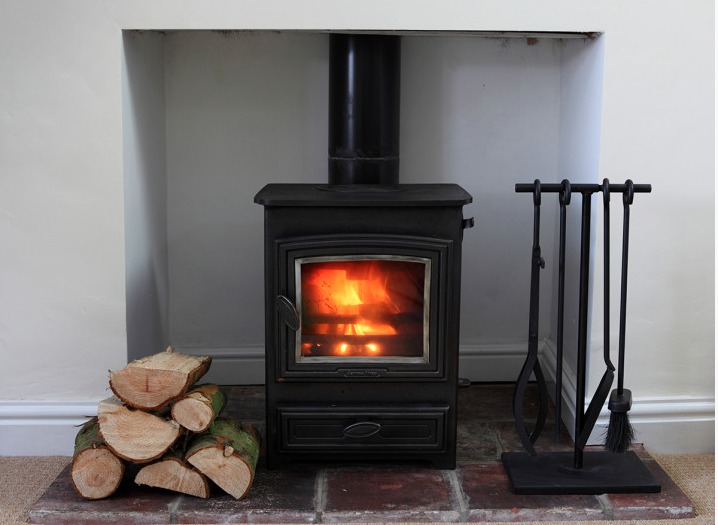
160, 419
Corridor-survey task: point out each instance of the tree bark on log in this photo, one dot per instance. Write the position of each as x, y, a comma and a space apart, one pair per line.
227, 454
173, 473
196, 410
135, 435
95, 471
153, 382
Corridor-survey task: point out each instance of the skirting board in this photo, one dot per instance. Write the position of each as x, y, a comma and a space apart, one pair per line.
666, 425
42, 428
231, 365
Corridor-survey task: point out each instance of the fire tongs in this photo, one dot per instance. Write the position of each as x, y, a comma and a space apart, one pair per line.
531, 364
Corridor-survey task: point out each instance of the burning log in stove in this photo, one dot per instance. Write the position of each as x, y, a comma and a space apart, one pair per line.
182, 444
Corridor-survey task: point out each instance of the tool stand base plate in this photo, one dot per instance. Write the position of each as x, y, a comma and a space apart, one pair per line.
554, 473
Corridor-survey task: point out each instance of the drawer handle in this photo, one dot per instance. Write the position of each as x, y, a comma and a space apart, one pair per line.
363, 429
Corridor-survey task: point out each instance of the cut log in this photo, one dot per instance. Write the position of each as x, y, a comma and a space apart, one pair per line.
227, 455
172, 473
153, 382
95, 471
135, 435
199, 407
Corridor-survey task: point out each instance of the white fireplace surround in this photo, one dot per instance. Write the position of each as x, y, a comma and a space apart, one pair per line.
134, 135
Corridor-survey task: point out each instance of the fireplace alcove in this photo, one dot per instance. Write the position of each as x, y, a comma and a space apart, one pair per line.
211, 117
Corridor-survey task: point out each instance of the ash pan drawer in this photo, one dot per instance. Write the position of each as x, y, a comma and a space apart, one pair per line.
423, 427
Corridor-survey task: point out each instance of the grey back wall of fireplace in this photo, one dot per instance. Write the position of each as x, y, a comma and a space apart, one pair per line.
242, 109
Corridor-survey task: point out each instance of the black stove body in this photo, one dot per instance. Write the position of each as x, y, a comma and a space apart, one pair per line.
362, 284
362, 321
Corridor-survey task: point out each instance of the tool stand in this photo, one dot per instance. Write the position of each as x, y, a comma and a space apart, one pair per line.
574, 472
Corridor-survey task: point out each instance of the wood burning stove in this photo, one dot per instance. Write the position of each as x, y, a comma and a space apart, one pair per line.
362, 287
362, 321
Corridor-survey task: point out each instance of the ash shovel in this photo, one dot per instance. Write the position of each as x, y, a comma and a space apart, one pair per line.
604, 386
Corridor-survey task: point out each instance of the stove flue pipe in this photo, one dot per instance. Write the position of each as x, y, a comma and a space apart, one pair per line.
364, 93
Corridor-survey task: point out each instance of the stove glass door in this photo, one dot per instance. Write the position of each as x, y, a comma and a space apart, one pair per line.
363, 308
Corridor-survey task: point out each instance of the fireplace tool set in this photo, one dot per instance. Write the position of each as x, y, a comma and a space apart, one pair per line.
615, 470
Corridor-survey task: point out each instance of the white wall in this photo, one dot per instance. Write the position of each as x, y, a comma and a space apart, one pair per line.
243, 110
484, 113
62, 262
62, 272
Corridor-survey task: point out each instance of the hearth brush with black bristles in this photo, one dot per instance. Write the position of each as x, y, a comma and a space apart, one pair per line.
620, 432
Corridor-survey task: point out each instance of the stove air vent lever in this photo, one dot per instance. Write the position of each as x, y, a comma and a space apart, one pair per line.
288, 313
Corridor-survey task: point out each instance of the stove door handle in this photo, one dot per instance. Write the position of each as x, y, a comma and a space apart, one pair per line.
288, 312
362, 429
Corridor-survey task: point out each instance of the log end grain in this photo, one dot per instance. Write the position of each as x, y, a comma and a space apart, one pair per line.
135, 435
193, 414
153, 382
96, 473
173, 474
227, 454
146, 389
231, 473
198, 408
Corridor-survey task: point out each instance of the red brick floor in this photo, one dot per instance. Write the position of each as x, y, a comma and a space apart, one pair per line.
478, 490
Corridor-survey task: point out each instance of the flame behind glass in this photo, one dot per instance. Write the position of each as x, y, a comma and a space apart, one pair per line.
367, 308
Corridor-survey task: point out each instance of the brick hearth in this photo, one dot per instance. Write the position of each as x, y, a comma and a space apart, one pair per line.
478, 490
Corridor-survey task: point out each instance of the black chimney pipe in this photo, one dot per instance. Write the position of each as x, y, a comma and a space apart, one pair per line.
364, 90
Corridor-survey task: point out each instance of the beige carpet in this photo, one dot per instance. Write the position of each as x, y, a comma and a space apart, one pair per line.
24, 479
